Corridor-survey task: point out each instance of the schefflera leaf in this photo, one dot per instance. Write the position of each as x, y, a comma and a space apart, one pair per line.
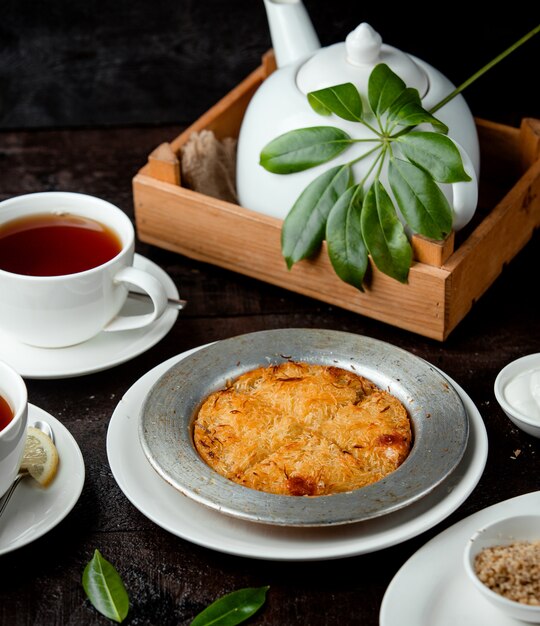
303, 230
435, 153
342, 100
346, 248
407, 111
384, 87
384, 235
387, 93
422, 203
304, 148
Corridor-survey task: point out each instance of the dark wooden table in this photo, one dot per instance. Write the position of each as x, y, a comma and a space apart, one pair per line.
170, 580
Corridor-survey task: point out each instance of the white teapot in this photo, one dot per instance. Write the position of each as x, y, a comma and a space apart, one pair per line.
281, 105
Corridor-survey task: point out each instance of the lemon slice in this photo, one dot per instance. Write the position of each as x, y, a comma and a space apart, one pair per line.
40, 458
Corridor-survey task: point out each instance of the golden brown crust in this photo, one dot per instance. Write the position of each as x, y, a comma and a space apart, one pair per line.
300, 429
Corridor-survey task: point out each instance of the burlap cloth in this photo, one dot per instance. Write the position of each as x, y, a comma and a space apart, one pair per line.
209, 165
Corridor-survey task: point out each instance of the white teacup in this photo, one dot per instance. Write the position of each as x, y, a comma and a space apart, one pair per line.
59, 311
12, 436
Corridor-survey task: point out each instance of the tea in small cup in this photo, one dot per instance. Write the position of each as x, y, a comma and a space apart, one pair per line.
13, 422
6, 413
66, 263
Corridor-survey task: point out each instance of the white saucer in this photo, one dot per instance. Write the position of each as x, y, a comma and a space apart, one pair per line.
99, 353
194, 522
432, 589
32, 510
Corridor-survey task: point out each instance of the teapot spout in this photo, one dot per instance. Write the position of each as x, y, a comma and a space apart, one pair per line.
291, 30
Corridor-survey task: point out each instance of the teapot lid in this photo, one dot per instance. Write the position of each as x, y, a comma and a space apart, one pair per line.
352, 61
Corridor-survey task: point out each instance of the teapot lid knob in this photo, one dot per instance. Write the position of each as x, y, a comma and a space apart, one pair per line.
351, 61
363, 45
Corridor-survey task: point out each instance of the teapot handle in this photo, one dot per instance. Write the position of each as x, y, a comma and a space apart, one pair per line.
464, 194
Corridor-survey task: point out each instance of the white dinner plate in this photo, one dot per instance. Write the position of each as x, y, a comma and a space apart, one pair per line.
102, 351
33, 510
436, 412
192, 521
432, 588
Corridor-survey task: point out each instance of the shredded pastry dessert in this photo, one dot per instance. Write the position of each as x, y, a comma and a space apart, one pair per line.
302, 430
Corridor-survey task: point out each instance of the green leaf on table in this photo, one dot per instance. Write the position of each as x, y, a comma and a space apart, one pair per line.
301, 149
384, 86
422, 203
105, 588
304, 227
346, 248
233, 608
435, 153
343, 100
384, 234
407, 111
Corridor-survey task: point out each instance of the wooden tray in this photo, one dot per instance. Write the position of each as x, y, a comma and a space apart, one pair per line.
446, 277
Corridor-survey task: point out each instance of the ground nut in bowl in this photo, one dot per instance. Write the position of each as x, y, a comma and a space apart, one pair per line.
517, 389
502, 560
438, 420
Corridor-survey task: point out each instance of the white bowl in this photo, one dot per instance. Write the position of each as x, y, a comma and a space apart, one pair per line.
519, 415
501, 533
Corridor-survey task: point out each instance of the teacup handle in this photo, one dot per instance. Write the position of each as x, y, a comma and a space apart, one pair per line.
464, 194
152, 287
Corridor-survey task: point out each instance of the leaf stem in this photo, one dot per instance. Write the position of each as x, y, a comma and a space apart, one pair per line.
383, 154
391, 130
371, 128
363, 140
372, 166
382, 126
484, 69
366, 154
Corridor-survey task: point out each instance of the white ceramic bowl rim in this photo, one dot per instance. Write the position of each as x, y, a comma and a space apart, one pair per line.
517, 366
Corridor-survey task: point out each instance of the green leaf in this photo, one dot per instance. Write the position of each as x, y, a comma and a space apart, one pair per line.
105, 588
346, 248
233, 608
384, 235
303, 229
407, 110
384, 86
420, 200
437, 154
301, 149
343, 100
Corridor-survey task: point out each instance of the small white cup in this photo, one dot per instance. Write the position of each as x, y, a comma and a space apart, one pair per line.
59, 311
13, 436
